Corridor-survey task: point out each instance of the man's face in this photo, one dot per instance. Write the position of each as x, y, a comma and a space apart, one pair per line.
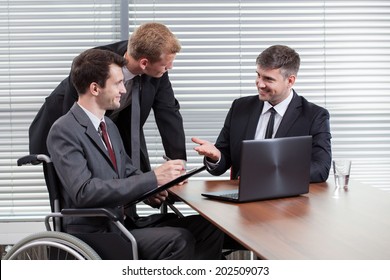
272, 86
110, 95
158, 68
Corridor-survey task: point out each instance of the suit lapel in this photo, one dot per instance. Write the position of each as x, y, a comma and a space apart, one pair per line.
254, 119
91, 132
292, 113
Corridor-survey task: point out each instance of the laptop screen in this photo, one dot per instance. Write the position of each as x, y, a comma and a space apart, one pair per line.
277, 167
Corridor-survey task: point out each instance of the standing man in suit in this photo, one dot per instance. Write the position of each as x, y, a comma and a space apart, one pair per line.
277, 69
95, 170
150, 52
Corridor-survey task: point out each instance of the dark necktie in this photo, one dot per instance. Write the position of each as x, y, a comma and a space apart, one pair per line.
103, 129
135, 122
270, 125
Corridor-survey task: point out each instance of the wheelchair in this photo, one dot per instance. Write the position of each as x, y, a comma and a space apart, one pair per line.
54, 244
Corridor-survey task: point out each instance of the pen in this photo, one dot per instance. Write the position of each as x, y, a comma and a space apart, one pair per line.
168, 159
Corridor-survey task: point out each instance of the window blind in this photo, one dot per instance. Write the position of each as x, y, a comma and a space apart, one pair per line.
344, 48
38, 41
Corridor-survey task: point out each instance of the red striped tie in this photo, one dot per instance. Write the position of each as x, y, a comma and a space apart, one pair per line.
108, 145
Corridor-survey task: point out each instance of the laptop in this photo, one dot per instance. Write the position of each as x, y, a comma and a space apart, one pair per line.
168, 185
271, 168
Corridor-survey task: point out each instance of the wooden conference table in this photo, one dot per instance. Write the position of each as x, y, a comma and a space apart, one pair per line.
324, 224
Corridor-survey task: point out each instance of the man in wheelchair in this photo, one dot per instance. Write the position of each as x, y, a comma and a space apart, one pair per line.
95, 170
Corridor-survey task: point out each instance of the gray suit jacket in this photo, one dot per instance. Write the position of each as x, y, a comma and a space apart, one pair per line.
86, 172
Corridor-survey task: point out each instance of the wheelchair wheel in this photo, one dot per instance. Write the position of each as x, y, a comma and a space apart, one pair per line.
51, 245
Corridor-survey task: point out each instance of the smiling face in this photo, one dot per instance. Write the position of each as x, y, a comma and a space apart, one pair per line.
109, 96
272, 86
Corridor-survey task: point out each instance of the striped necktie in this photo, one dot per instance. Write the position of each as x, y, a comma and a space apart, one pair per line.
111, 153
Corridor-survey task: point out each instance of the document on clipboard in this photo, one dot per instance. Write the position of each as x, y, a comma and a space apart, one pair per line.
168, 185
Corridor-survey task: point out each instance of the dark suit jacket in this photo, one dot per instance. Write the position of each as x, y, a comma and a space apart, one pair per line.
156, 93
86, 172
301, 118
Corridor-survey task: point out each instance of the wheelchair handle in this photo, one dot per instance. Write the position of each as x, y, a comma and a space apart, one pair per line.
33, 159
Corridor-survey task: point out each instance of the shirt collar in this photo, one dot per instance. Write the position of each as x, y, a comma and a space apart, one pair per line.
95, 120
127, 75
280, 108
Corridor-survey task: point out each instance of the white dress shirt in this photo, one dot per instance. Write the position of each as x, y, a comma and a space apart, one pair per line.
280, 109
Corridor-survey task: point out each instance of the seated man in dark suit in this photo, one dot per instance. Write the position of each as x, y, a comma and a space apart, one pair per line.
95, 170
293, 115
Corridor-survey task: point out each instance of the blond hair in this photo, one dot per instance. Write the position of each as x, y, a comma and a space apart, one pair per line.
151, 40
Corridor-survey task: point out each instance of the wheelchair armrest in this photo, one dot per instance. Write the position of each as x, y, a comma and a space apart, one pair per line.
80, 212
90, 212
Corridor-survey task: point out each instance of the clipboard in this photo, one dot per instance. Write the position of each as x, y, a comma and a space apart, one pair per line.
168, 185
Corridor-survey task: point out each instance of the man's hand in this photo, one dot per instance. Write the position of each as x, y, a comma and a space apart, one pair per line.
165, 173
207, 149
168, 171
157, 199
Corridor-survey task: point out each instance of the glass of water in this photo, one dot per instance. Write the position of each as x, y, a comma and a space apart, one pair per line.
341, 170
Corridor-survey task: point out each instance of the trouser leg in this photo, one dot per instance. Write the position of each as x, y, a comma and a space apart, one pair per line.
165, 243
208, 238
